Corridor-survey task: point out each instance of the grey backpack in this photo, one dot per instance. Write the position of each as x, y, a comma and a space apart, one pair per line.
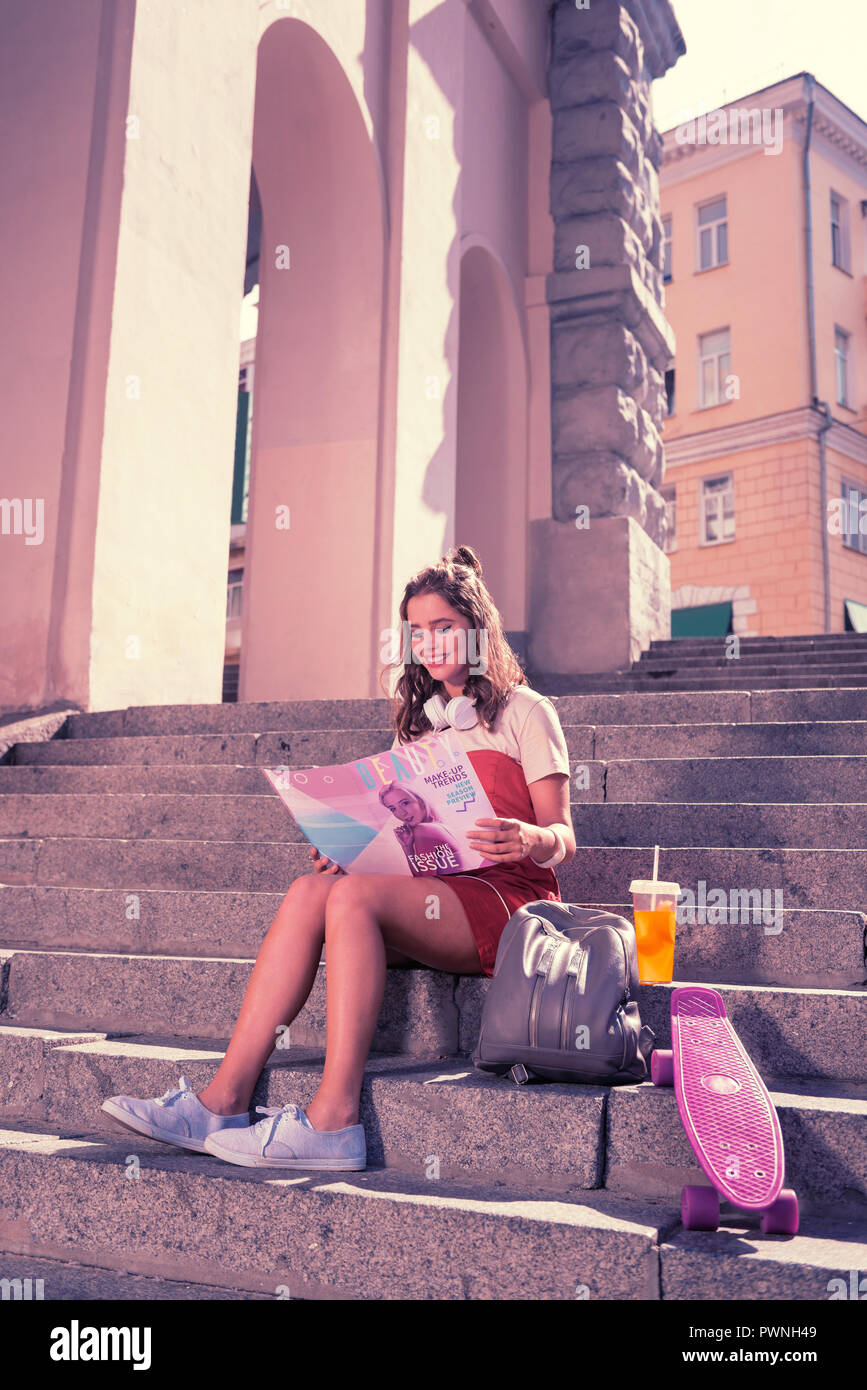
561, 1003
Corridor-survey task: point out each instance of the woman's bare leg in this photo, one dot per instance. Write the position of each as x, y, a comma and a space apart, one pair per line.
364, 917
282, 979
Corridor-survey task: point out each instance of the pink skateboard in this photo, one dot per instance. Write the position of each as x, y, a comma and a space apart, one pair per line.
729, 1118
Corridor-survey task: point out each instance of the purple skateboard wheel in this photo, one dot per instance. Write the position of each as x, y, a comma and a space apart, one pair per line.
782, 1217
662, 1067
699, 1208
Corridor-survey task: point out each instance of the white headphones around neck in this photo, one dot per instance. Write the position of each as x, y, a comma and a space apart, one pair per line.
459, 713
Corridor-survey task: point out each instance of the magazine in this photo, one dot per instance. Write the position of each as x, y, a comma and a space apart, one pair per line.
405, 811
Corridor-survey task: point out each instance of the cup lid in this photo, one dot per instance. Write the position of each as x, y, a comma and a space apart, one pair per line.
646, 885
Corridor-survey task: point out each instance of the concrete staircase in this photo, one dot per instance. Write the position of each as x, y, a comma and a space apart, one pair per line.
143, 856
829, 661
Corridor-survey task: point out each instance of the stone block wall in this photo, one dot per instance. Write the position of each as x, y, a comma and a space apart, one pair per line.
600, 580
610, 344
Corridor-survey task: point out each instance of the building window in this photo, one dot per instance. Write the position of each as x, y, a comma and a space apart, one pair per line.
243, 437
840, 233
669, 493
717, 509
714, 365
841, 366
666, 250
669, 391
233, 595
713, 234
854, 516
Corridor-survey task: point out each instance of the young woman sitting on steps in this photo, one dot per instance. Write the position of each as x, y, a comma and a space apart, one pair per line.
368, 922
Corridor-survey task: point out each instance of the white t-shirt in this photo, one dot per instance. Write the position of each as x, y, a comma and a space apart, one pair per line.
527, 729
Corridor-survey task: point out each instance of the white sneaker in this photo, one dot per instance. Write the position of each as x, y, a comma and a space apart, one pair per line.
287, 1139
178, 1117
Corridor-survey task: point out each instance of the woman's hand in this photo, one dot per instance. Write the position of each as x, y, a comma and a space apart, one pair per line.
322, 864
508, 840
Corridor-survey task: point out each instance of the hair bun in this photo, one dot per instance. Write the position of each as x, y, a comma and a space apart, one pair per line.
466, 556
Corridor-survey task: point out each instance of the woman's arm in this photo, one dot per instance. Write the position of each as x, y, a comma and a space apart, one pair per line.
509, 839
550, 798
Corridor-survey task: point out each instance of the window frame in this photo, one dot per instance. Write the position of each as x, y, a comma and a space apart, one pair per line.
726, 476
670, 398
846, 358
234, 587
713, 227
845, 248
847, 486
667, 250
702, 357
668, 492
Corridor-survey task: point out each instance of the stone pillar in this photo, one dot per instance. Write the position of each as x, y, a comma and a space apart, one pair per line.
127, 170
599, 589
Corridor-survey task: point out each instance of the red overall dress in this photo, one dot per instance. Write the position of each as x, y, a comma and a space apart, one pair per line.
491, 895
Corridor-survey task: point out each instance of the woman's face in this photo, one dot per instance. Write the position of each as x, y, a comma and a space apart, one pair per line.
439, 638
405, 807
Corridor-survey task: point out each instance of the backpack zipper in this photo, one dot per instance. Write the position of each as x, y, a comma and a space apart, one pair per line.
541, 976
569, 996
573, 972
619, 1016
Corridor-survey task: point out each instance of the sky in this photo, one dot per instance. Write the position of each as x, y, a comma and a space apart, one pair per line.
734, 47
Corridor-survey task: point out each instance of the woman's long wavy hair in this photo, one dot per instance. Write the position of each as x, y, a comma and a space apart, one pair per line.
458, 578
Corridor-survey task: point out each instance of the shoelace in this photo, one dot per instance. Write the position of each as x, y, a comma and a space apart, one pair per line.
174, 1091
273, 1113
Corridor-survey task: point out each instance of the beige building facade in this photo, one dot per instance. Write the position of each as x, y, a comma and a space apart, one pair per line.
764, 205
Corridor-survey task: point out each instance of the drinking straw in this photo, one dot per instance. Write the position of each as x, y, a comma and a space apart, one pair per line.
655, 870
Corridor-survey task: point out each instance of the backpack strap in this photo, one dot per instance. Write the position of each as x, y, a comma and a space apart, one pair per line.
646, 1040
519, 1074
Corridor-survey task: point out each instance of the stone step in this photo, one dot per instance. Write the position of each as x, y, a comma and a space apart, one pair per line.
807, 877
751, 941
714, 678
621, 707
701, 707
721, 823
832, 778
590, 684
400, 1236
145, 815
194, 779
200, 996
269, 749
625, 707
623, 741
798, 778
564, 1138
371, 1234
249, 716
32, 1277
601, 742
752, 661
631, 815
825, 641
788, 1032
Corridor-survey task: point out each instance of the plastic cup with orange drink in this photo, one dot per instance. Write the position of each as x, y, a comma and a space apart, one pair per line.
655, 912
